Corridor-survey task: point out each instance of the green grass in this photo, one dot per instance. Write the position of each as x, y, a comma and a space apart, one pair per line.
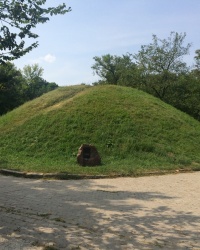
134, 133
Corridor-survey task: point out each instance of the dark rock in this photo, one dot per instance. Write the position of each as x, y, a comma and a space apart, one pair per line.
88, 155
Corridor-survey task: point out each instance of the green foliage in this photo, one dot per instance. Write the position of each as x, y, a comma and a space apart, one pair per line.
161, 61
133, 131
12, 87
159, 70
196, 70
17, 87
36, 85
115, 70
185, 95
197, 59
163, 55
32, 72
18, 19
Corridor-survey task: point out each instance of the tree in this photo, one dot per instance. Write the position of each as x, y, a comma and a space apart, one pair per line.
32, 72
18, 19
185, 95
36, 85
16, 88
197, 59
115, 69
12, 87
196, 71
161, 62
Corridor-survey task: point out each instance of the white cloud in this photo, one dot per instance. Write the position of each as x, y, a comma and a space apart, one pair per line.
47, 58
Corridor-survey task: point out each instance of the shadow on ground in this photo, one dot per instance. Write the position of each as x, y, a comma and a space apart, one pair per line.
85, 214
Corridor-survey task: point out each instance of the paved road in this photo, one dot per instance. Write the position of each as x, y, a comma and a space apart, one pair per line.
159, 212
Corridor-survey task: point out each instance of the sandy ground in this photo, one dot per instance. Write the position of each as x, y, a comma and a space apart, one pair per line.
157, 212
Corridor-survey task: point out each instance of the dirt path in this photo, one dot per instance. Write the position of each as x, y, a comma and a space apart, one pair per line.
159, 212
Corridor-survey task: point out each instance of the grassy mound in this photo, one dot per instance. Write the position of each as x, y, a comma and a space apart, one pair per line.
133, 132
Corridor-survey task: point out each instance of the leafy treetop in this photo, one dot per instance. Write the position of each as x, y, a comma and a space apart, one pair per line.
197, 59
18, 18
164, 55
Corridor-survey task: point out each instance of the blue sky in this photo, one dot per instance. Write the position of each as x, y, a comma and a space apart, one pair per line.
67, 44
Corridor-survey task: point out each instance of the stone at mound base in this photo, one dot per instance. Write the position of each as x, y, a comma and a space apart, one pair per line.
88, 155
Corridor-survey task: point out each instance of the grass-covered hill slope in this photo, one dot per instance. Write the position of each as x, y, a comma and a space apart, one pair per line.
133, 132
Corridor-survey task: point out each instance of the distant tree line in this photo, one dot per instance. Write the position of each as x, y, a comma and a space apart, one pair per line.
159, 69
19, 86
19, 19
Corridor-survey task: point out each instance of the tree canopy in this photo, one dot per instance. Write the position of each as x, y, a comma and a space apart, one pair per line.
162, 61
32, 72
115, 69
19, 86
36, 85
164, 54
159, 69
18, 19
197, 59
11, 87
